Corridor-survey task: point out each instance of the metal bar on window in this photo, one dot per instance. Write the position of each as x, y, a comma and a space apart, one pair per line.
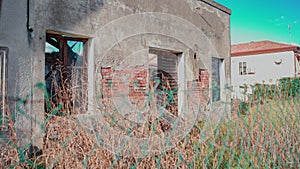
3, 53
2, 88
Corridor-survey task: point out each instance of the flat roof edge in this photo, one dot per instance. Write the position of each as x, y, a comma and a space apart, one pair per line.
217, 5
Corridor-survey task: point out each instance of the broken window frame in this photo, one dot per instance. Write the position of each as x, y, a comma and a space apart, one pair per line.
62, 45
3, 83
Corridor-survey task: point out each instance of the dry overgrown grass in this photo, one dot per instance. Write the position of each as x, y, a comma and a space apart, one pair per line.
265, 137
65, 139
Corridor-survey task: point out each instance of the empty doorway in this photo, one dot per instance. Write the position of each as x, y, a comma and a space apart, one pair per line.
164, 78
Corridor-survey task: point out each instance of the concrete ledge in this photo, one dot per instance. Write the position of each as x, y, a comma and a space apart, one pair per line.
217, 5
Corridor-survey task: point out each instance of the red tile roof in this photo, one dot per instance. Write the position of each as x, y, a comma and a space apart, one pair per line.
253, 48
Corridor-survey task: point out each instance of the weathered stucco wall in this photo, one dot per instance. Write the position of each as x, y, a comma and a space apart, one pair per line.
87, 17
92, 19
123, 27
121, 31
15, 36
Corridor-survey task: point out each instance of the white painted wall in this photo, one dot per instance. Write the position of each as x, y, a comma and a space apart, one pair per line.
266, 71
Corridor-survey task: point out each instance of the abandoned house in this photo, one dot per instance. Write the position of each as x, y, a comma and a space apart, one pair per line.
94, 53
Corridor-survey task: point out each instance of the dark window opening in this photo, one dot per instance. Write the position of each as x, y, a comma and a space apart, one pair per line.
66, 72
242, 68
0, 7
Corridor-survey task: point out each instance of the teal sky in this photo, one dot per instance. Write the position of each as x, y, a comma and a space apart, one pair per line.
256, 20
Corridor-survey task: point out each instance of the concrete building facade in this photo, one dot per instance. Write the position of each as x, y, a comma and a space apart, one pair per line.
92, 41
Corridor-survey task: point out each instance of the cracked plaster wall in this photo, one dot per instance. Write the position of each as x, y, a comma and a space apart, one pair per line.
87, 17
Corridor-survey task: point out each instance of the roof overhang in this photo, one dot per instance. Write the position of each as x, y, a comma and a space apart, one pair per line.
274, 50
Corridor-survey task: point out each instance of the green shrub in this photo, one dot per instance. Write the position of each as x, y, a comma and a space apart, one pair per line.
287, 87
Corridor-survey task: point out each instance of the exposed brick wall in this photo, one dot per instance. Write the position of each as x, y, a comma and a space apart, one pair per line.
204, 78
199, 91
132, 83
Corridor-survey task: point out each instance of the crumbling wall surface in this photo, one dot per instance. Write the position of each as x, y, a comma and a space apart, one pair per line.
202, 26
87, 17
122, 31
16, 38
184, 26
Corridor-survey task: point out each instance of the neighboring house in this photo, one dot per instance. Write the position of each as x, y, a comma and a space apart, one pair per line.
262, 62
83, 49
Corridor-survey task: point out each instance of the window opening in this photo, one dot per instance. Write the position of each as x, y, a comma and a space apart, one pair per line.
242, 68
216, 79
66, 72
163, 78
